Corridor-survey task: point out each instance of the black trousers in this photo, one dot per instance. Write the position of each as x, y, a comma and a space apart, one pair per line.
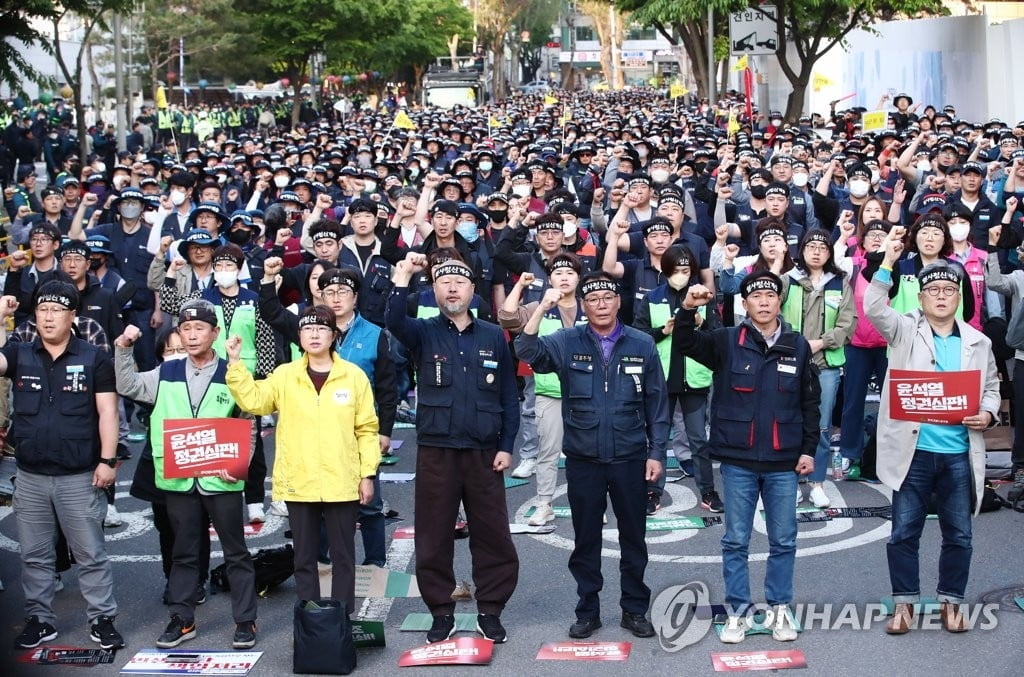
589, 487
255, 482
162, 522
444, 477
339, 521
186, 516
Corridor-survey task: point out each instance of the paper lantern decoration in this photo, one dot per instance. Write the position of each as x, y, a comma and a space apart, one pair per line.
45, 97
362, 77
285, 82
171, 76
203, 83
67, 92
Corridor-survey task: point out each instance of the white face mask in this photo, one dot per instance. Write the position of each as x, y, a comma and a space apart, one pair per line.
130, 212
485, 166
119, 182
177, 198
924, 166
859, 187
678, 280
222, 179
281, 181
521, 190
99, 167
569, 228
369, 186
800, 180
876, 176
424, 164
149, 217
641, 152
959, 231
776, 123
225, 278
659, 175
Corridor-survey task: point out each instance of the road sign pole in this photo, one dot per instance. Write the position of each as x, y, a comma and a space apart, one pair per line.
711, 57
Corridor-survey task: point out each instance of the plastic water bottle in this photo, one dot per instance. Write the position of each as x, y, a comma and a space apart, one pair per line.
837, 465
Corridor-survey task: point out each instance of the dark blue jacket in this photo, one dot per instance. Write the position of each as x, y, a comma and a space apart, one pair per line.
467, 397
612, 412
764, 403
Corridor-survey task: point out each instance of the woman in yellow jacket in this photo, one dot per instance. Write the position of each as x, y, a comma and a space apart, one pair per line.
327, 447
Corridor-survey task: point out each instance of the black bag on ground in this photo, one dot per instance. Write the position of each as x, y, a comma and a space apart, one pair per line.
273, 566
322, 641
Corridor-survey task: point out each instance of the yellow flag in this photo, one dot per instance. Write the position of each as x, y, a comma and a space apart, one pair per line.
741, 64
493, 122
677, 90
875, 121
549, 100
734, 124
820, 82
403, 121
161, 97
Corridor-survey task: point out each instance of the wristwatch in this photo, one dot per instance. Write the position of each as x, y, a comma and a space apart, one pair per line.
112, 462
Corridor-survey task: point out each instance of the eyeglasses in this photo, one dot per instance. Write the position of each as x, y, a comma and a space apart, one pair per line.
315, 329
934, 292
605, 300
49, 311
875, 235
820, 248
341, 292
41, 239
171, 351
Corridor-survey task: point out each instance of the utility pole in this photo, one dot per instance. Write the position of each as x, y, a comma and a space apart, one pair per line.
711, 57
122, 135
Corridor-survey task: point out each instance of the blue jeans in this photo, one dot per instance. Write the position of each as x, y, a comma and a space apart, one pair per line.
861, 363
829, 379
741, 488
949, 478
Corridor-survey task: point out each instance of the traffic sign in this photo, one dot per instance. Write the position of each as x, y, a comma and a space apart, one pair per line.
753, 31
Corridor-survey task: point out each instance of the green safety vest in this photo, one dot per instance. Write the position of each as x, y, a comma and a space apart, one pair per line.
548, 385
243, 324
427, 312
793, 312
187, 121
163, 119
172, 401
234, 119
697, 375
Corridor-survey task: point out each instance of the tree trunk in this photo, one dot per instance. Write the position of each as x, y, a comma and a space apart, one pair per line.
497, 70
723, 76
413, 96
294, 74
694, 39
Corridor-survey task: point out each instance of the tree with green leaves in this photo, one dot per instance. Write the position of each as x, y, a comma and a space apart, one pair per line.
812, 27
16, 24
494, 21
535, 24
425, 35
91, 14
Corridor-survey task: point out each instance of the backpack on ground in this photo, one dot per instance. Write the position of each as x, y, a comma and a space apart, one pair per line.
273, 567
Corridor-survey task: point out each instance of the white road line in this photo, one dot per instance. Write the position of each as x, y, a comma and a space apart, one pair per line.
399, 555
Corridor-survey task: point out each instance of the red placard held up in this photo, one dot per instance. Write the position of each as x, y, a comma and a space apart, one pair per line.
943, 397
195, 447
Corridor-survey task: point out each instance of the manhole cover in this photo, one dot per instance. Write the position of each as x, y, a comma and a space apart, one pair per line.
1005, 597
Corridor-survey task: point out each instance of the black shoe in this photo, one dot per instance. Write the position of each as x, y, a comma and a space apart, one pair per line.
653, 502
584, 627
245, 635
637, 624
443, 628
122, 452
34, 634
178, 630
710, 501
201, 594
103, 633
489, 625
686, 467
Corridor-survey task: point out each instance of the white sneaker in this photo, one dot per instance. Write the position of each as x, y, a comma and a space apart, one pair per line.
735, 630
799, 496
278, 508
526, 468
783, 629
113, 518
542, 515
268, 421
819, 498
256, 515
846, 464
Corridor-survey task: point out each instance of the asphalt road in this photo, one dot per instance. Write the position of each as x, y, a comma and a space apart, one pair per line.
840, 562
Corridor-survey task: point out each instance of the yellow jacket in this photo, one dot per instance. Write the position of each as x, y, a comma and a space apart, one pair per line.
325, 442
